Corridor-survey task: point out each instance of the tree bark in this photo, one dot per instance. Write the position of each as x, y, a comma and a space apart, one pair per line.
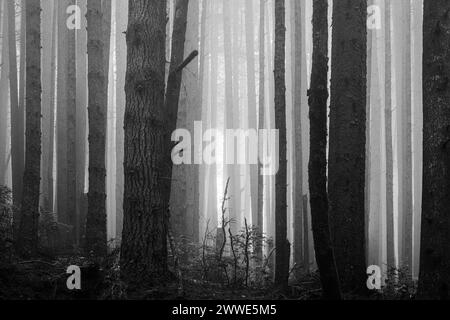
318, 97
144, 237
28, 231
347, 141
434, 278
97, 110
281, 241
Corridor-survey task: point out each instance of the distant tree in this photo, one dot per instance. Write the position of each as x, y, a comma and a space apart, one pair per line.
434, 278
28, 231
346, 171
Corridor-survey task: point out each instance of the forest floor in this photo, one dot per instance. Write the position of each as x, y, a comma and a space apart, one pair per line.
46, 279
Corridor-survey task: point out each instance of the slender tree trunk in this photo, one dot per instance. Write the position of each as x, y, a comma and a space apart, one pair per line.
81, 121
434, 278
121, 61
4, 86
17, 116
144, 238
389, 143
347, 141
251, 93
281, 241
298, 145
261, 119
318, 97
69, 216
28, 231
97, 110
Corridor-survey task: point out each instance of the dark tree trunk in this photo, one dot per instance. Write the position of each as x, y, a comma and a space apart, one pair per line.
97, 110
281, 241
348, 141
318, 114
144, 237
28, 230
434, 278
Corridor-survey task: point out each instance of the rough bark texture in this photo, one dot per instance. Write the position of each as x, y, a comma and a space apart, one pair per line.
4, 93
347, 141
434, 278
144, 237
28, 231
281, 241
318, 96
96, 215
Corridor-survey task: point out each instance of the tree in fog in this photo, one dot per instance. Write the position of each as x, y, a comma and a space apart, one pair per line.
281, 241
28, 231
346, 172
318, 114
96, 215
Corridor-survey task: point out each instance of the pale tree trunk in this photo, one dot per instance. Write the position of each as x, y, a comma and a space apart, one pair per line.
261, 119
17, 116
61, 113
81, 113
4, 93
299, 90
434, 278
97, 111
251, 93
29, 221
121, 61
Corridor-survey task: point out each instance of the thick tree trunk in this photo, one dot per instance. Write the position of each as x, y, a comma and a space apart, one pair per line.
28, 231
97, 110
281, 241
144, 238
434, 279
347, 141
318, 97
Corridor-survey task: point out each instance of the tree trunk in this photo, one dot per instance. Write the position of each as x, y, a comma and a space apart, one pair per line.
121, 62
4, 93
434, 278
251, 93
97, 110
389, 142
347, 141
28, 231
281, 241
318, 97
17, 117
144, 237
